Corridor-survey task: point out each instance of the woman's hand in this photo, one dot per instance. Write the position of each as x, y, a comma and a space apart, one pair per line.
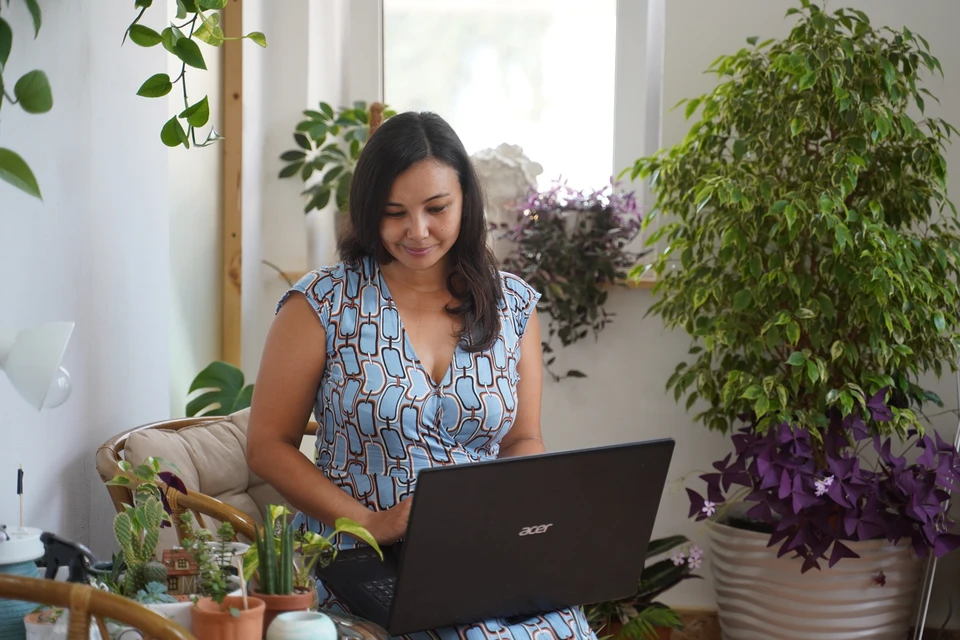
390, 525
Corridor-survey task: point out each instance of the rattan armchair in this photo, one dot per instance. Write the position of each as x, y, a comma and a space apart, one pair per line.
108, 466
85, 602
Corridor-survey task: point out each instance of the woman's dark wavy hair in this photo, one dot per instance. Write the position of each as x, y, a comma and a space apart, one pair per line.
398, 144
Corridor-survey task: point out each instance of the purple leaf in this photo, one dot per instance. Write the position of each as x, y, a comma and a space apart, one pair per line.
696, 503
840, 551
879, 410
173, 481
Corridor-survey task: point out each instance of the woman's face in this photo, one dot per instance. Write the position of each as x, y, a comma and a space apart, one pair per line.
421, 220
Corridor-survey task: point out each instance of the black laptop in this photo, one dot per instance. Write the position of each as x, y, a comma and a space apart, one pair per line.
511, 538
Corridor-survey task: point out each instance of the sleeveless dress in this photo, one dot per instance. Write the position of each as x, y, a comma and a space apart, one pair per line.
382, 417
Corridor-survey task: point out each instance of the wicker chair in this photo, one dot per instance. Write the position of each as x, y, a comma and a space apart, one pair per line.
195, 501
85, 602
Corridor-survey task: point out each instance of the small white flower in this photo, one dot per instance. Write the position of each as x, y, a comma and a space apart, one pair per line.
709, 508
821, 486
696, 552
677, 557
695, 562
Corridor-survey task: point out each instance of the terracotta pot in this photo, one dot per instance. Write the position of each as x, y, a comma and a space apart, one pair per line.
275, 605
614, 627
211, 622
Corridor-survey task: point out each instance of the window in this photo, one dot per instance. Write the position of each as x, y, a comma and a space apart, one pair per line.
536, 73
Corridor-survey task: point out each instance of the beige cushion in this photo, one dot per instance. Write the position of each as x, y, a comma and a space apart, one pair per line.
211, 459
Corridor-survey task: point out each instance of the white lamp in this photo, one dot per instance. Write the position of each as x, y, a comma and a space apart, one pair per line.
31, 359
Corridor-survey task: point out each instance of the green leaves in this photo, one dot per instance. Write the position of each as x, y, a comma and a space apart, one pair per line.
807, 243
155, 86
144, 36
33, 92
223, 389
35, 14
742, 300
173, 135
258, 38
188, 51
14, 170
198, 114
6, 41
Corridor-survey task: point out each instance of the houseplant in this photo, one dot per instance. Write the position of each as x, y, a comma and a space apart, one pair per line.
640, 616
201, 23
218, 390
285, 558
328, 144
216, 613
819, 260
32, 92
571, 246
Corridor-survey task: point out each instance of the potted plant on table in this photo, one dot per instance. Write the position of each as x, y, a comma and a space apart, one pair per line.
819, 259
285, 560
571, 246
218, 612
641, 616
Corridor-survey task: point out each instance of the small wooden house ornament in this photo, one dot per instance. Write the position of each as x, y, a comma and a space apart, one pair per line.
182, 572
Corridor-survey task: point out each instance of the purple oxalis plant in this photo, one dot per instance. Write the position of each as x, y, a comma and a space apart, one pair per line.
817, 498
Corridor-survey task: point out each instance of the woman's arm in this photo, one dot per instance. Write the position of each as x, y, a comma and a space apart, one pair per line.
524, 438
291, 369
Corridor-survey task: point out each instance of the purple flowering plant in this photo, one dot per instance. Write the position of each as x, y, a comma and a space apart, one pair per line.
571, 246
814, 496
817, 265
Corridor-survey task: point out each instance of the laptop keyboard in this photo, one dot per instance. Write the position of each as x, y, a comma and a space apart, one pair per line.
381, 590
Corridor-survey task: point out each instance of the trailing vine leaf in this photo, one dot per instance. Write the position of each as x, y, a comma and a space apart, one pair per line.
155, 86
14, 170
201, 23
198, 114
33, 92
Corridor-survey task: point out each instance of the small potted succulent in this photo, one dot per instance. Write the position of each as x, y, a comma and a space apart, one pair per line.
571, 246
285, 559
218, 612
641, 616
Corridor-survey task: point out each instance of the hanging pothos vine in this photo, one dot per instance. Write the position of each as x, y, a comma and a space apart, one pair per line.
200, 21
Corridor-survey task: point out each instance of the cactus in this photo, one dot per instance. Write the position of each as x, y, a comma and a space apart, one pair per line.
154, 572
137, 530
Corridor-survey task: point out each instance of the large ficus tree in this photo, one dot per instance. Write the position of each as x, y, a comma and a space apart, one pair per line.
807, 206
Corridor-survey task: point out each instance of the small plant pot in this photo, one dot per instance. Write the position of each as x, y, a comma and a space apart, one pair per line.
46, 630
302, 625
275, 605
212, 622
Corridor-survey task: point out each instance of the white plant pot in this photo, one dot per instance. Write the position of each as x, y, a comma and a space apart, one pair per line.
321, 238
760, 596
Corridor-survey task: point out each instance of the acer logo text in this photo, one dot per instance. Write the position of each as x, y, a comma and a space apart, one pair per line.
532, 531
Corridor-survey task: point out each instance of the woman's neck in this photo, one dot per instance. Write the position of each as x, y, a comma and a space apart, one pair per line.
428, 281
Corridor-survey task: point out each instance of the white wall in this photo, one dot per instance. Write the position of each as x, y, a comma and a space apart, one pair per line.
95, 251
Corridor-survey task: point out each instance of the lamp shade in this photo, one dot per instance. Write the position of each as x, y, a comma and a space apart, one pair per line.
31, 358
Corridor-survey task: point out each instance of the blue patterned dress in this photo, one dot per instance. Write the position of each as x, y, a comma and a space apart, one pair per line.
382, 418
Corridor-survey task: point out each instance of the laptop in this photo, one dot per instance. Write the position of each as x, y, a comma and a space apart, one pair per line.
511, 538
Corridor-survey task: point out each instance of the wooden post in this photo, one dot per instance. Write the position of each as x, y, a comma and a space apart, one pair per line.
232, 182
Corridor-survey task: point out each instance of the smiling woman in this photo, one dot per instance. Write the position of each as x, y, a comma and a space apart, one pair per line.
414, 352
